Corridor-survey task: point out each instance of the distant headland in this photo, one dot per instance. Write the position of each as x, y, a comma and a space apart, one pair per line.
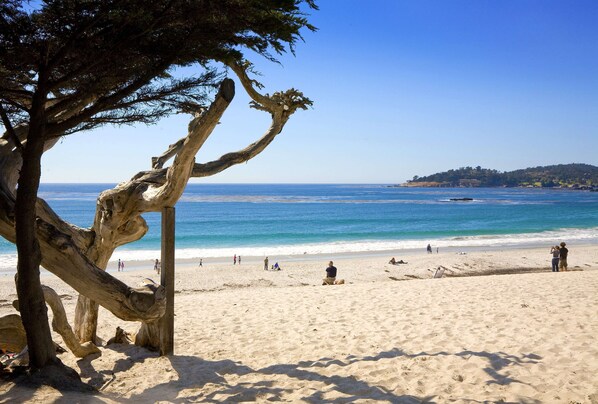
570, 176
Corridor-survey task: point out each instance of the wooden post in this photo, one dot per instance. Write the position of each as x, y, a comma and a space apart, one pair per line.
167, 280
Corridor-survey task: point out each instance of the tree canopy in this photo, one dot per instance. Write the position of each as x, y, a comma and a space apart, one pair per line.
67, 66
112, 61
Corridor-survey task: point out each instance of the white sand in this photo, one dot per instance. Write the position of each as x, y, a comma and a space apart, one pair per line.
245, 334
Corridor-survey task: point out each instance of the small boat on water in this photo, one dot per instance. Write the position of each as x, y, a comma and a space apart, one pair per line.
460, 199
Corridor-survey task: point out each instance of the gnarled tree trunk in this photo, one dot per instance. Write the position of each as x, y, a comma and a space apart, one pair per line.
33, 307
80, 256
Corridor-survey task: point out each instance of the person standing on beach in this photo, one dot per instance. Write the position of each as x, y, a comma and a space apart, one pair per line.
239, 260
429, 249
330, 274
563, 257
555, 251
235, 260
119, 265
266, 264
201, 262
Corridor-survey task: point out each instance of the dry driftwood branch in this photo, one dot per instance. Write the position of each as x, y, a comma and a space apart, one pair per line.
61, 325
80, 256
118, 215
281, 105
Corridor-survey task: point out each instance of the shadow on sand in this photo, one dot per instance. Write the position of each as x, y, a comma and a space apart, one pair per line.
221, 381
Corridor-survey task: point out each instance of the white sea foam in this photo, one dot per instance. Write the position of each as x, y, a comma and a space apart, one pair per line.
8, 262
527, 239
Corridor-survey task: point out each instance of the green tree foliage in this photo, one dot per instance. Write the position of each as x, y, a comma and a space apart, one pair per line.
117, 57
567, 175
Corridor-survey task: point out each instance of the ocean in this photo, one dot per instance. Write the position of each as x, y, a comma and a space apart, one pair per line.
219, 220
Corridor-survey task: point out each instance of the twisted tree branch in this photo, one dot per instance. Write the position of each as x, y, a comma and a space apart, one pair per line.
79, 256
61, 325
280, 105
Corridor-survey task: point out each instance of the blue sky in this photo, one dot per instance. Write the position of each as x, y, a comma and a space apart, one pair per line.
400, 88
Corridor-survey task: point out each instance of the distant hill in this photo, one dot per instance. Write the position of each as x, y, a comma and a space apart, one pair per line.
577, 176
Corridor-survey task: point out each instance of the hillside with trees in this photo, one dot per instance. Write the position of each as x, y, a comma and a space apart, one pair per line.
576, 176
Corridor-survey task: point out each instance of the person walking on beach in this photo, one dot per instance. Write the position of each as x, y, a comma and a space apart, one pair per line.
563, 257
122, 266
201, 262
429, 248
239, 260
157, 266
266, 264
119, 265
330, 274
555, 251
235, 260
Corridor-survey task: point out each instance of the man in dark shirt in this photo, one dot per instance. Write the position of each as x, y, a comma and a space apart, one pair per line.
563, 257
330, 274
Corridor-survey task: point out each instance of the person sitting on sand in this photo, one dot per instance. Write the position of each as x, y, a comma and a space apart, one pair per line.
276, 267
330, 274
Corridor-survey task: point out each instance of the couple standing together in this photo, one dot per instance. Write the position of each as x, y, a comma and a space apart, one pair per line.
559, 257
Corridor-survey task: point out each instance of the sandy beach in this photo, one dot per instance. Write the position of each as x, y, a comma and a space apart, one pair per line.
391, 333
355, 202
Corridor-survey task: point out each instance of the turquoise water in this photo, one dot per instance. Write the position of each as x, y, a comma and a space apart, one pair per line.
248, 219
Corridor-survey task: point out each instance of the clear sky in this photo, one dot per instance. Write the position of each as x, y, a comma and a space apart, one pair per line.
400, 88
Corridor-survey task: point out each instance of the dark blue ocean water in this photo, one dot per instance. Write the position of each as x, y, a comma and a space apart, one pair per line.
254, 219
